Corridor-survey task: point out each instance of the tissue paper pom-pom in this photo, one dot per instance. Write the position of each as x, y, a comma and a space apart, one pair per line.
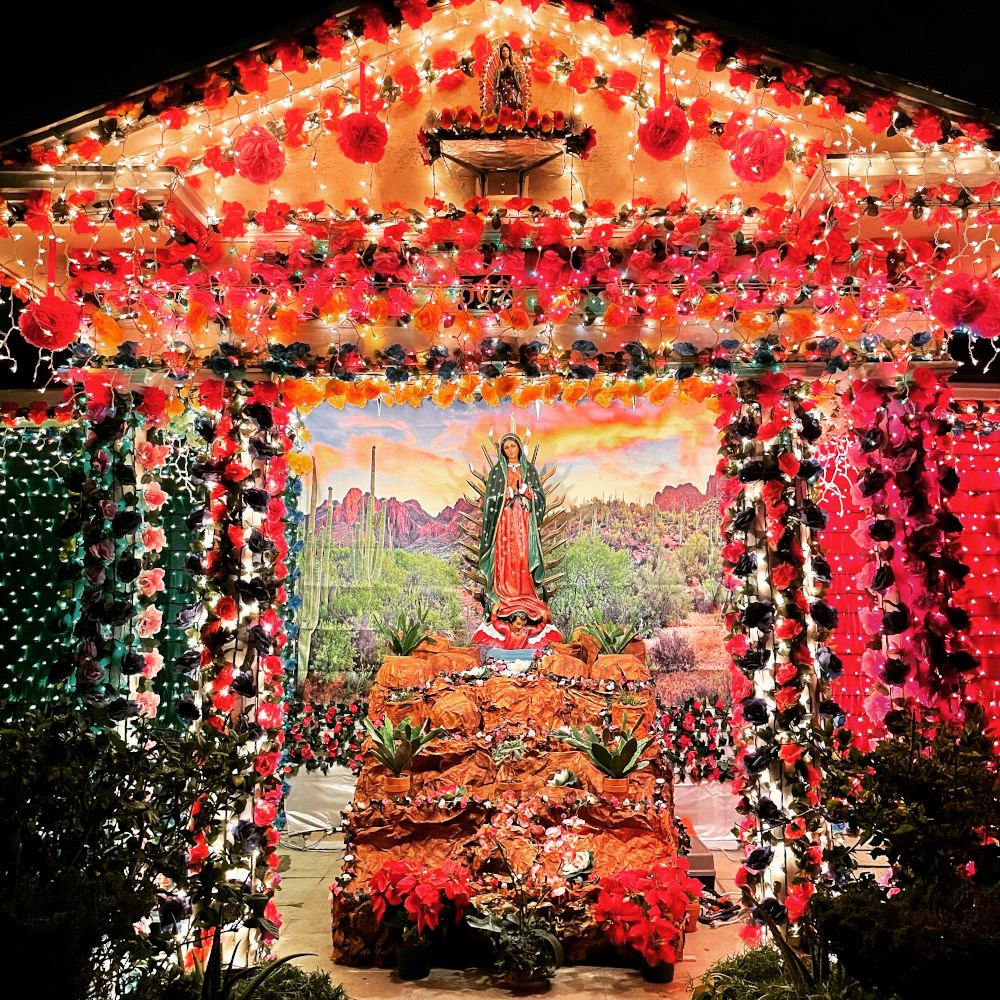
50, 322
258, 157
961, 301
759, 154
664, 132
362, 138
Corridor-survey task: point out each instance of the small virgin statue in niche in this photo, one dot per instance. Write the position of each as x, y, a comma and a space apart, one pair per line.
505, 84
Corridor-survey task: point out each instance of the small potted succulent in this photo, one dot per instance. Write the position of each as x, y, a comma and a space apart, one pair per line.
616, 757
647, 910
395, 746
414, 898
630, 705
505, 754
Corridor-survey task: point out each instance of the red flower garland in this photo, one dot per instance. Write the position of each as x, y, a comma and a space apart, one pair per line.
664, 132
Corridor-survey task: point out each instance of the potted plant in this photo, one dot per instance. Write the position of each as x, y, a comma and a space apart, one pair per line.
616, 757
395, 746
505, 753
630, 705
525, 951
614, 662
647, 910
412, 897
402, 669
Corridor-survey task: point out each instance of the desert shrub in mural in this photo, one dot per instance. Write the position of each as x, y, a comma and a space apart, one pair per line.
641, 541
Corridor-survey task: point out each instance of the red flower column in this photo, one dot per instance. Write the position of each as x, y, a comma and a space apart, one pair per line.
777, 633
916, 624
242, 632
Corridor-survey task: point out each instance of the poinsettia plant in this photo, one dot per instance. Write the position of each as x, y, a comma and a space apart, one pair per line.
646, 910
413, 897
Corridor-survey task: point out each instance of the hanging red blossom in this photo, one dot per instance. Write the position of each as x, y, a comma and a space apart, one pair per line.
362, 137
51, 323
961, 300
258, 156
664, 132
759, 154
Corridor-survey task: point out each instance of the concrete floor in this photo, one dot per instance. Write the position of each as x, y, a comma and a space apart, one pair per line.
310, 863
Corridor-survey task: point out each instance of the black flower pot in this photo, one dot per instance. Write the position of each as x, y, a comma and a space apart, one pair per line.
662, 972
413, 962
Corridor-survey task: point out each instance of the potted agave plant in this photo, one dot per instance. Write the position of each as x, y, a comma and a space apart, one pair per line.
615, 756
402, 669
505, 754
614, 662
395, 746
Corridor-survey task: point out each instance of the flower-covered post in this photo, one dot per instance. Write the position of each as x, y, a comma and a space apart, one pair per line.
777, 631
241, 596
918, 650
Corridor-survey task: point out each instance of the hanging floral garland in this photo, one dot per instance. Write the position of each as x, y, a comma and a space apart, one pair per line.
918, 650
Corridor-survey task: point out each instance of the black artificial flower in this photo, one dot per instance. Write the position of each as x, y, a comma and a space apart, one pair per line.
754, 660
256, 498
821, 570
125, 522
896, 622
871, 482
755, 711
756, 760
824, 616
829, 663
188, 615
872, 440
883, 530
830, 708
744, 519
895, 670
133, 662
187, 661
809, 470
205, 427
774, 909
810, 430
187, 709
768, 811
260, 448
759, 615
883, 579
243, 684
759, 859
745, 565
947, 522
752, 471
813, 516
746, 427
948, 480
963, 661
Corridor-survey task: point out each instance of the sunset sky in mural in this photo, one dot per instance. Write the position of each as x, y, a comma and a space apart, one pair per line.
423, 454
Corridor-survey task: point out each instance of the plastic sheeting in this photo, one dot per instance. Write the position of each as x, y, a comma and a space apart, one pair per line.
317, 800
711, 807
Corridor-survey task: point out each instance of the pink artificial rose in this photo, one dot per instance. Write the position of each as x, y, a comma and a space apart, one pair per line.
153, 538
147, 702
150, 622
154, 663
153, 495
151, 455
151, 582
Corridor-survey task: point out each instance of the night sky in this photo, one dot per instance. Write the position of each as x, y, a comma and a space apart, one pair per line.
54, 66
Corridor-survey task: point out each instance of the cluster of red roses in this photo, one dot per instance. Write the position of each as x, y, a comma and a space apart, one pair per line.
320, 735
646, 910
695, 738
415, 896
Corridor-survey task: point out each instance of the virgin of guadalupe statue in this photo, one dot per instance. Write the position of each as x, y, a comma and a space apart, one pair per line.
510, 565
504, 82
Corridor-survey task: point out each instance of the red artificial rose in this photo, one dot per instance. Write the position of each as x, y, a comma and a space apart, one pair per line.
664, 132
50, 323
927, 126
790, 753
788, 464
879, 116
362, 138
258, 157
782, 575
758, 155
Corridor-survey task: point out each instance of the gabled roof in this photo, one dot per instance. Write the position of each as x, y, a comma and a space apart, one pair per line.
817, 43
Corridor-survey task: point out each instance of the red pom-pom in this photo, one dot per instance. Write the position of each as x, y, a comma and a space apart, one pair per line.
362, 137
258, 156
759, 154
50, 322
664, 132
964, 301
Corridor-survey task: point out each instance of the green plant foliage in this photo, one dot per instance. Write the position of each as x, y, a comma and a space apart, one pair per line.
407, 633
613, 639
90, 823
925, 941
615, 756
927, 798
509, 750
599, 581
396, 746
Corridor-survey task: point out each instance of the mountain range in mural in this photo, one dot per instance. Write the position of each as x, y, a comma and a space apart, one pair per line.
413, 529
